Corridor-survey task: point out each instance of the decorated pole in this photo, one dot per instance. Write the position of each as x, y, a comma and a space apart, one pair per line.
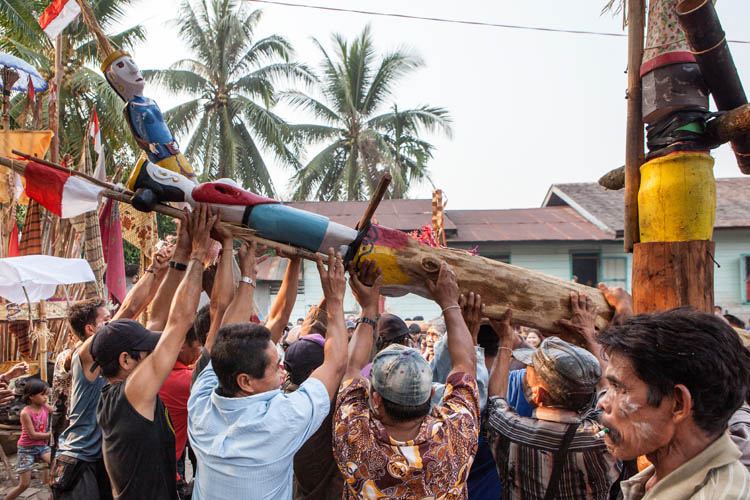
54, 115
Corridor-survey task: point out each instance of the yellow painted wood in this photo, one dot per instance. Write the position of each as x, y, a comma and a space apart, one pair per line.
677, 198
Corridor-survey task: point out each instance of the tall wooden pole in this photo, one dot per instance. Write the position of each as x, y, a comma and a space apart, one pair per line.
634, 128
54, 117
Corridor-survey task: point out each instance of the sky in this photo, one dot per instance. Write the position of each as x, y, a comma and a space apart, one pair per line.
529, 108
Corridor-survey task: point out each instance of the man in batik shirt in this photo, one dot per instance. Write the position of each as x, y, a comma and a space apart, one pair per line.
388, 442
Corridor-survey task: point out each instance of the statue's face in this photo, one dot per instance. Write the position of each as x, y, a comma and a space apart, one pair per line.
123, 74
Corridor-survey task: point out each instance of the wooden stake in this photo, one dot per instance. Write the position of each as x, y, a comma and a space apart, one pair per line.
634, 128
377, 197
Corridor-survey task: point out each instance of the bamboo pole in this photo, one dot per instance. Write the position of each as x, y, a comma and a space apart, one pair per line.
42, 339
377, 197
634, 128
54, 116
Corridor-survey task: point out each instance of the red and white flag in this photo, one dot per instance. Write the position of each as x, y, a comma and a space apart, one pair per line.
100, 172
58, 15
61, 193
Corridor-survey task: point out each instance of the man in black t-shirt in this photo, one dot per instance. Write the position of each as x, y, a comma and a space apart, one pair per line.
137, 439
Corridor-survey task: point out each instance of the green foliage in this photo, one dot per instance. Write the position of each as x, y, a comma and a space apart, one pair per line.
360, 141
82, 85
231, 80
165, 226
131, 253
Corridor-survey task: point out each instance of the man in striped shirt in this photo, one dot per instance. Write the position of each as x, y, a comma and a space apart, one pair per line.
556, 453
675, 379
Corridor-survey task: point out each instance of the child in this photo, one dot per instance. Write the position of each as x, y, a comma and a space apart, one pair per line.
34, 441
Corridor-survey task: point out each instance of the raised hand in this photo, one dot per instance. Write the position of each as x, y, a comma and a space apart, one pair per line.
366, 283
445, 290
332, 279
248, 260
583, 320
6, 395
619, 299
221, 233
472, 309
201, 221
503, 328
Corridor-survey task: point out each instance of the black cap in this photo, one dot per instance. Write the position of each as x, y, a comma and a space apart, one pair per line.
122, 335
391, 327
304, 356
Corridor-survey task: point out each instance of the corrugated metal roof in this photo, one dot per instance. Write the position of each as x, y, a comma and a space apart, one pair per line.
732, 202
406, 215
528, 224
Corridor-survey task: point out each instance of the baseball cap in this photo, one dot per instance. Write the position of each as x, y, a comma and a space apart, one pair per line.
391, 327
414, 329
304, 356
566, 369
122, 335
401, 375
350, 325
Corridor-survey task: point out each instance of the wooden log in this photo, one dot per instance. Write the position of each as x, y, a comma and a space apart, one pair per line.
537, 300
377, 197
734, 124
634, 127
673, 274
614, 180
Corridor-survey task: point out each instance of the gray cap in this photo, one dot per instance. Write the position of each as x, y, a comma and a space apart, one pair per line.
401, 375
566, 369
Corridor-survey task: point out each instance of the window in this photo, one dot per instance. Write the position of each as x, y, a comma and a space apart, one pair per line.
615, 271
584, 268
745, 278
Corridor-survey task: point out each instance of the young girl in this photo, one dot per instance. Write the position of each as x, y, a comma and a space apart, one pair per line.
34, 441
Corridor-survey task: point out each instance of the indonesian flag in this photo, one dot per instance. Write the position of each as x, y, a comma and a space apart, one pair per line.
59, 192
58, 15
95, 133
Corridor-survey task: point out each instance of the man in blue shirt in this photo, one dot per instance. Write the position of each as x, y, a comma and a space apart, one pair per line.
245, 431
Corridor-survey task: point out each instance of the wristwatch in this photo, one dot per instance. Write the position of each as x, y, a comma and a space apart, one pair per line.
248, 280
178, 266
368, 321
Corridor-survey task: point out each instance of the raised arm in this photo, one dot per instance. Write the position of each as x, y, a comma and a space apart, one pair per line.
160, 305
140, 296
222, 290
498, 385
366, 289
241, 307
460, 344
143, 385
334, 353
278, 316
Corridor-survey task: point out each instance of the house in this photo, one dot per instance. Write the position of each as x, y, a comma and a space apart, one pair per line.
575, 234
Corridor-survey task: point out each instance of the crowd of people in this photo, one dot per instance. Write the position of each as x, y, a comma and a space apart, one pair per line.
652, 407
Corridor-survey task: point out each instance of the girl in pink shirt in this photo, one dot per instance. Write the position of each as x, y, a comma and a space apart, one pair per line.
34, 441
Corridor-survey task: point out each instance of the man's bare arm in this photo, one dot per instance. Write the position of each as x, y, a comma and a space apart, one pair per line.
223, 288
460, 343
143, 292
366, 289
498, 384
143, 385
334, 353
241, 307
278, 316
160, 305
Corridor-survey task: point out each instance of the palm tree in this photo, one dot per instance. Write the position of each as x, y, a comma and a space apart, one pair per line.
231, 79
82, 86
358, 143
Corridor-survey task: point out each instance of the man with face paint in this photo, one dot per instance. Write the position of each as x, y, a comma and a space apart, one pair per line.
675, 379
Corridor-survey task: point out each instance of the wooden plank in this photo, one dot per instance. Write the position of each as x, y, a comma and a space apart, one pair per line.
673, 274
20, 312
634, 126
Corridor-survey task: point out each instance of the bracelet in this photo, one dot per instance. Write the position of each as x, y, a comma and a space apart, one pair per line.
248, 280
177, 266
451, 307
507, 349
367, 321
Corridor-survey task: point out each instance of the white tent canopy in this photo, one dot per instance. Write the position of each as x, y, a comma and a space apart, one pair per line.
39, 275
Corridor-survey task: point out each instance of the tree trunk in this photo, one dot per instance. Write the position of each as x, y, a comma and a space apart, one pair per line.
673, 274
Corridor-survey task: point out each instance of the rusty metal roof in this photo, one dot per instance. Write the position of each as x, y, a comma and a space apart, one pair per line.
406, 215
527, 224
605, 208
